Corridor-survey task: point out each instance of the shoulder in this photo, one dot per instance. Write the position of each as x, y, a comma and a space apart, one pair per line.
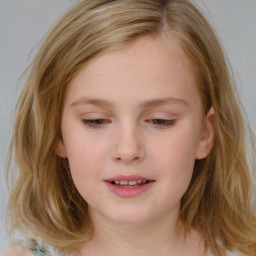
17, 251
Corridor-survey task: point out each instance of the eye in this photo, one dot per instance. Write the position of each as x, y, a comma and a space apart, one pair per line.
162, 123
95, 123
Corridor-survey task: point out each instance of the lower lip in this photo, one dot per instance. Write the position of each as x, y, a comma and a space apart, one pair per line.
129, 192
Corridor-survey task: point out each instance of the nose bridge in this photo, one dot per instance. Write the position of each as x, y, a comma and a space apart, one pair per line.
128, 146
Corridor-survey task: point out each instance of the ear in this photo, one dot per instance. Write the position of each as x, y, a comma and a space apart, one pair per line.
207, 135
60, 149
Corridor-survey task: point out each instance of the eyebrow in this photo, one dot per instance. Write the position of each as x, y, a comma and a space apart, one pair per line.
145, 104
163, 101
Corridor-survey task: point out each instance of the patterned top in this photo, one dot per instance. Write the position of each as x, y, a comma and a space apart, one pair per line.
38, 250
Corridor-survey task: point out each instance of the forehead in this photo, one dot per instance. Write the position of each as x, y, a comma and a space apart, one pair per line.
155, 51
145, 64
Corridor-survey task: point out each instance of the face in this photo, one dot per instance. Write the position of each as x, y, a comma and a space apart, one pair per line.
132, 128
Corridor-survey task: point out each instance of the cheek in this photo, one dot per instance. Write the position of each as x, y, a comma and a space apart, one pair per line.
175, 151
84, 171
174, 159
175, 167
84, 162
83, 150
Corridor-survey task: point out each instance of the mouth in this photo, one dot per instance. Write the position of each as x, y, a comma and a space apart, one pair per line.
129, 186
130, 183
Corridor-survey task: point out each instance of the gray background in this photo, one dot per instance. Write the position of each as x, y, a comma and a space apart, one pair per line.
23, 23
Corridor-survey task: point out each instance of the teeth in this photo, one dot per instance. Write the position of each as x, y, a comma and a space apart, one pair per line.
123, 182
130, 182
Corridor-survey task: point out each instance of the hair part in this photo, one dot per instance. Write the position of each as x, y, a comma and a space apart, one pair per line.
218, 200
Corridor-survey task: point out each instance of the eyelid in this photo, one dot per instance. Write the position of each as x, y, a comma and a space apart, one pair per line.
96, 123
162, 123
95, 115
161, 115
161, 119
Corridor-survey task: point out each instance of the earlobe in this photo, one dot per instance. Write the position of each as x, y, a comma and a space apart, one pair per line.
207, 135
60, 149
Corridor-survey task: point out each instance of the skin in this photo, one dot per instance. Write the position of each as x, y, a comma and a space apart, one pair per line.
135, 133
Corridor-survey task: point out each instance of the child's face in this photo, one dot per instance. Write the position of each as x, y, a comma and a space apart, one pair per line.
133, 112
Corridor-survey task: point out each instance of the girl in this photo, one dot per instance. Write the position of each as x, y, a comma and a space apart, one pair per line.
129, 139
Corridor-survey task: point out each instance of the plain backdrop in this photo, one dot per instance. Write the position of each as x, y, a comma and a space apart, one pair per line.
23, 23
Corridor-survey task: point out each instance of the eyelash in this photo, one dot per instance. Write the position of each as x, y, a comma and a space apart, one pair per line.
163, 123
98, 123
95, 123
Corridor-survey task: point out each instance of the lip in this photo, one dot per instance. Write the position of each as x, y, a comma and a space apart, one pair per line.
126, 192
128, 178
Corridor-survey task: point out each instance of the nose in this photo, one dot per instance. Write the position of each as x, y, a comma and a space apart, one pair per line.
128, 147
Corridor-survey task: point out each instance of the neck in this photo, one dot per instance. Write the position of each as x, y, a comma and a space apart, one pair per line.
161, 237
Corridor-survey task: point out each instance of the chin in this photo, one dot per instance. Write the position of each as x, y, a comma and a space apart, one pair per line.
131, 218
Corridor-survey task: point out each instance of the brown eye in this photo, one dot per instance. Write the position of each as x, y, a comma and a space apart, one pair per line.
162, 122
95, 123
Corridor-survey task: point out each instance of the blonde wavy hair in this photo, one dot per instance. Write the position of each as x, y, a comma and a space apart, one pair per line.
45, 204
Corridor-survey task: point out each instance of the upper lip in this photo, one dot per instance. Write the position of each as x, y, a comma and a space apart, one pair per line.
127, 178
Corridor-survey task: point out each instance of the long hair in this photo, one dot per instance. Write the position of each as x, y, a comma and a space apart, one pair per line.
45, 204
